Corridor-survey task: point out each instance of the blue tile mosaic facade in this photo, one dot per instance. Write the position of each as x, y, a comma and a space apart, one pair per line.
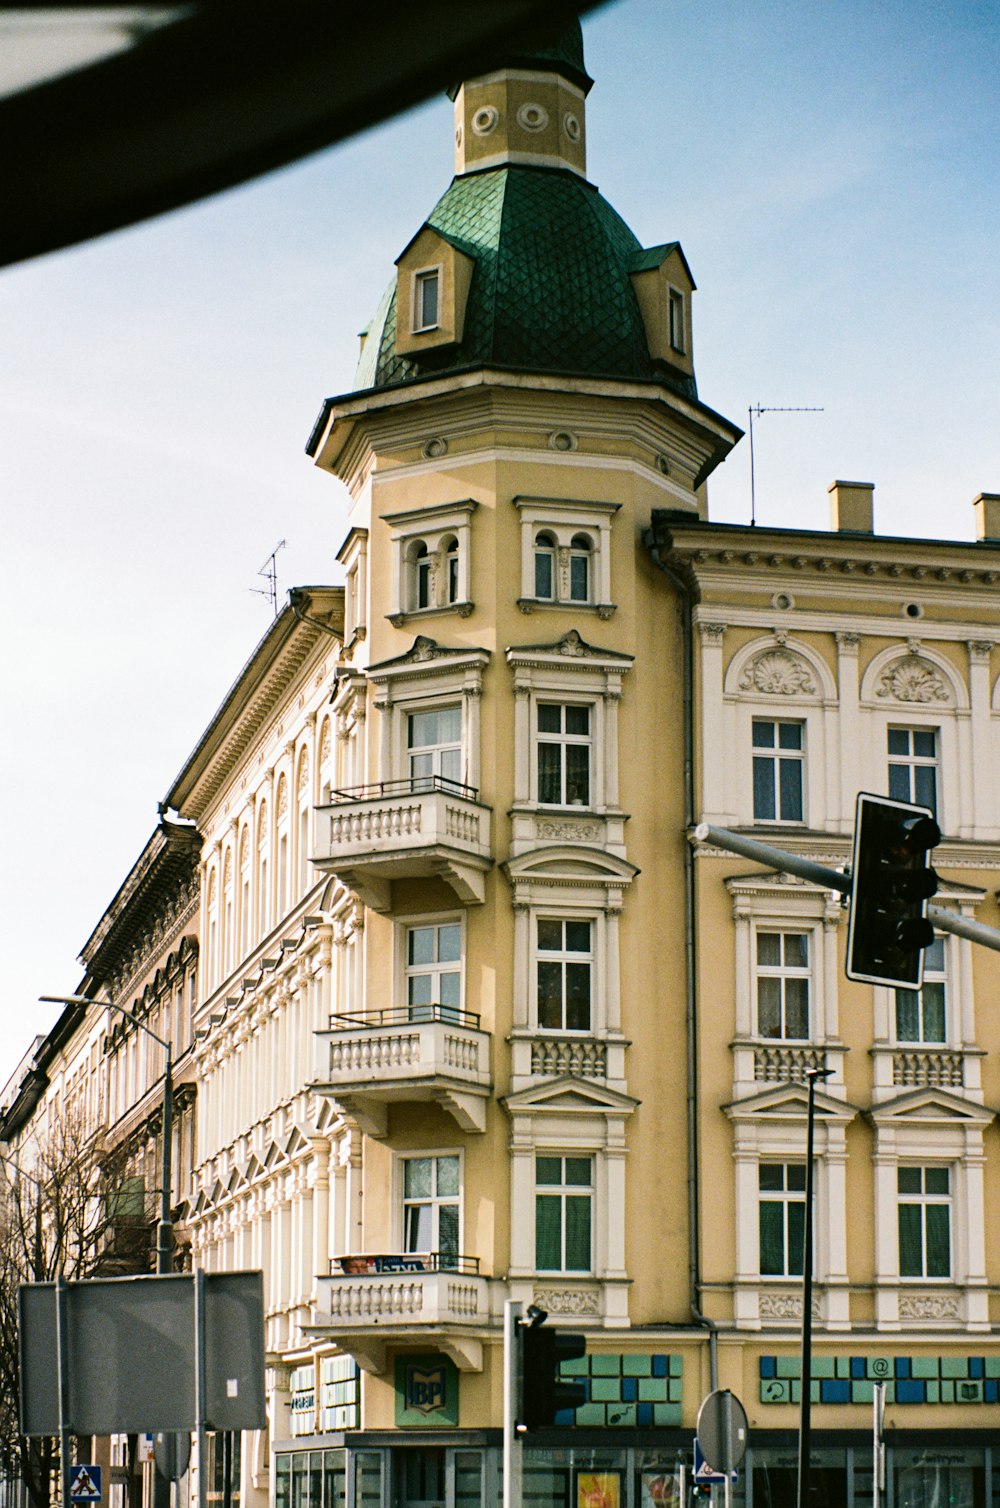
626, 1389
908, 1379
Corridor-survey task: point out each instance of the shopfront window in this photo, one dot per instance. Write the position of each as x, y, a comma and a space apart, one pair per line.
925, 1478
311, 1479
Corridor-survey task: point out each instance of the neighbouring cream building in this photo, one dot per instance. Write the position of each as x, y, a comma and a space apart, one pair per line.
473, 1020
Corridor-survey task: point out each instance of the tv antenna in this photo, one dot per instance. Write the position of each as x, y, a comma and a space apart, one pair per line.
767, 409
269, 571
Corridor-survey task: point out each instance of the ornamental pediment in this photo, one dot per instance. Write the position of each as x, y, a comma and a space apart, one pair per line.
935, 1105
570, 1095
789, 1102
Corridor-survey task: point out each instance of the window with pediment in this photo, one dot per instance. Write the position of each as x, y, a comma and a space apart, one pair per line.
777, 697
929, 1210
429, 700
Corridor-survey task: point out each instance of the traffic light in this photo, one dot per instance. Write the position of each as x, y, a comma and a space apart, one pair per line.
891, 883
546, 1399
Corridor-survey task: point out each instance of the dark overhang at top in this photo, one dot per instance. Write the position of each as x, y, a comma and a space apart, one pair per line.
158, 105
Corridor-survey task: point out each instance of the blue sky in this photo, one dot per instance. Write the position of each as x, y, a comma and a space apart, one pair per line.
832, 174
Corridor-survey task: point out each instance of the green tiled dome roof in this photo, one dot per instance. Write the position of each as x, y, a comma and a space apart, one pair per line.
550, 289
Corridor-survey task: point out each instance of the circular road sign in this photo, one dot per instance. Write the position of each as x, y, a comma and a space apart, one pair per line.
722, 1430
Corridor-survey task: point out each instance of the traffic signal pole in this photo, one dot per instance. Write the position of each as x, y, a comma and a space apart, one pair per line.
831, 879
512, 1494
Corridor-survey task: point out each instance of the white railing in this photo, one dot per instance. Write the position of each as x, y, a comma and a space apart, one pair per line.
428, 1298
925, 1068
401, 819
390, 1047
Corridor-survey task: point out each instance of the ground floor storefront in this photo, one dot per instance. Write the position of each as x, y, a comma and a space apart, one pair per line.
932, 1469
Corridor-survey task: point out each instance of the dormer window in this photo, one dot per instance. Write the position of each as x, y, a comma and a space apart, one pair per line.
545, 567
675, 312
426, 298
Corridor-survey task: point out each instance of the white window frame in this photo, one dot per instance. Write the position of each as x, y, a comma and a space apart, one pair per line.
778, 755
574, 674
932, 975
785, 1197
419, 681
774, 678
911, 762
399, 1207
922, 1199
770, 1127
422, 276
441, 531
563, 739
565, 522
564, 956
353, 556
783, 972
572, 1120
931, 1128
765, 903
563, 1191
435, 750
404, 925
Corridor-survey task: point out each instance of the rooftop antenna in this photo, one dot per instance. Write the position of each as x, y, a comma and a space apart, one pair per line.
767, 409
269, 571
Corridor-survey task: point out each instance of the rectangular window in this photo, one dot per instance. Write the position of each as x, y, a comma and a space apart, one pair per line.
434, 967
913, 765
778, 750
434, 746
564, 973
425, 302
920, 1014
782, 1218
564, 1197
676, 313
783, 984
431, 1197
563, 754
924, 1222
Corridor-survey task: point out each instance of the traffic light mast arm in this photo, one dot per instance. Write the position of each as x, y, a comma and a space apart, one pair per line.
833, 879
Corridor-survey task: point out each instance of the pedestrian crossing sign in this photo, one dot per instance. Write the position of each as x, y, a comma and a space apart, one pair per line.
85, 1484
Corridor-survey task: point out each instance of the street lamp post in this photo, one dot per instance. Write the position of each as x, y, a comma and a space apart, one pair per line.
165, 1228
813, 1075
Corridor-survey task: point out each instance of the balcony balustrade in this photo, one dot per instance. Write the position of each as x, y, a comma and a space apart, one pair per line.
370, 835
370, 1300
370, 1059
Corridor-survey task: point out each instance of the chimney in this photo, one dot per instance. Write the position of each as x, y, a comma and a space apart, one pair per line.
852, 507
987, 506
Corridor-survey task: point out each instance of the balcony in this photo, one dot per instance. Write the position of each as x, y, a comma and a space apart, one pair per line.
370, 835
370, 1300
438, 1053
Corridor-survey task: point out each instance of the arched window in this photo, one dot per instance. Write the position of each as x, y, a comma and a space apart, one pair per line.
580, 551
420, 576
545, 567
228, 915
246, 918
263, 877
284, 843
450, 549
302, 785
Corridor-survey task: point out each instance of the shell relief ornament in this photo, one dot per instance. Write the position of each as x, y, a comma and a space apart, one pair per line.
778, 672
912, 680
